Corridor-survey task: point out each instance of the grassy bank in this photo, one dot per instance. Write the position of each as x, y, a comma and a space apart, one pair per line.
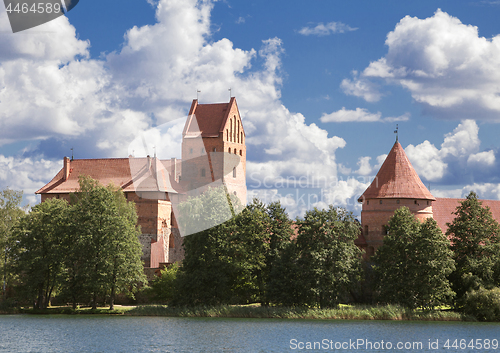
388, 312
119, 310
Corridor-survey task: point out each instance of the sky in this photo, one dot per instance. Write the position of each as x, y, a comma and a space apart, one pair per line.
320, 86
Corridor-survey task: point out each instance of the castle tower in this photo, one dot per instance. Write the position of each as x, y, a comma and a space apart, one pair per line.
210, 130
396, 185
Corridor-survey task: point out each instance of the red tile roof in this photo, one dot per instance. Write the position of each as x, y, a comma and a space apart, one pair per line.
211, 118
397, 179
131, 174
443, 209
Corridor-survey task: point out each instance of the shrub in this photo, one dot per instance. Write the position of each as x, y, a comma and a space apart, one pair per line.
483, 304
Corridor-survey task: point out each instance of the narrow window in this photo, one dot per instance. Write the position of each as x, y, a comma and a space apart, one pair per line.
366, 230
203, 172
227, 135
380, 201
234, 172
215, 149
231, 122
384, 230
235, 151
237, 131
367, 202
241, 153
241, 135
191, 151
229, 149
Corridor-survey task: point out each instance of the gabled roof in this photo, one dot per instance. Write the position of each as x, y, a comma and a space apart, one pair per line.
130, 174
397, 179
211, 118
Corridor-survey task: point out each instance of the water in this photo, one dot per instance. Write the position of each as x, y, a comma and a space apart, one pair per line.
68, 334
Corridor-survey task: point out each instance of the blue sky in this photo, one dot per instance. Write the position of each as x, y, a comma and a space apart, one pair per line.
320, 84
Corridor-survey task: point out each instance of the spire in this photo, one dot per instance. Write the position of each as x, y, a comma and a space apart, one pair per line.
396, 132
397, 179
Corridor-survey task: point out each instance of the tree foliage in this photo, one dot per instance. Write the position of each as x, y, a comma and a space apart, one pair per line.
412, 265
36, 252
10, 213
474, 236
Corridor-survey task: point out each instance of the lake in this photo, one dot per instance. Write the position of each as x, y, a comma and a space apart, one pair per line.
107, 334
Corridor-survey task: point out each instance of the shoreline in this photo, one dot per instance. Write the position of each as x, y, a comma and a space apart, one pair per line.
361, 312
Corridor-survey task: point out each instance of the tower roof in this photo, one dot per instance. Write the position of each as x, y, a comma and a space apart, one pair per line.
210, 118
397, 179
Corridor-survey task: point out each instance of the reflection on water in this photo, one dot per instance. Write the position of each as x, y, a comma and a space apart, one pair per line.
68, 334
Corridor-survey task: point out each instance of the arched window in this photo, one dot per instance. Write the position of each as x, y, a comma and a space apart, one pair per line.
241, 152
231, 122
241, 135
227, 135
234, 172
235, 152
229, 149
238, 131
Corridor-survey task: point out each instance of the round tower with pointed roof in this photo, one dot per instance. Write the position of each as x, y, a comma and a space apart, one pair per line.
396, 185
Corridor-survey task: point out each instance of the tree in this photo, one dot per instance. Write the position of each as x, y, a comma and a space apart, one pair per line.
10, 212
103, 249
36, 254
474, 236
412, 265
208, 273
328, 261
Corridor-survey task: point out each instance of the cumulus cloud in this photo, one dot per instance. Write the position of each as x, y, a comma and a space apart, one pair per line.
63, 98
361, 87
443, 63
359, 115
458, 160
322, 29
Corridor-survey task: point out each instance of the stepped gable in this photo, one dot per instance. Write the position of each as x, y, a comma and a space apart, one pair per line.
211, 118
397, 179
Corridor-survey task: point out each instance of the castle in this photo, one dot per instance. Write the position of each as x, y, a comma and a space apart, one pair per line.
213, 153
213, 149
397, 184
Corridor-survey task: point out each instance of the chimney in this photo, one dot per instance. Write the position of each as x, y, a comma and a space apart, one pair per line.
173, 169
66, 164
149, 162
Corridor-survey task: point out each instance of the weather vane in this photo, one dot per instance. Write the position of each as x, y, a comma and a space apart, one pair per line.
71, 153
396, 132
230, 94
197, 91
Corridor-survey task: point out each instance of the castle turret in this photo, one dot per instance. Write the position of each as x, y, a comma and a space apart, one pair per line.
396, 185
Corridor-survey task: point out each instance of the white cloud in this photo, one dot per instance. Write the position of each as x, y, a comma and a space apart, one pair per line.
359, 115
361, 87
443, 63
459, 150
59, 94
322, 29
364, 166
481, 159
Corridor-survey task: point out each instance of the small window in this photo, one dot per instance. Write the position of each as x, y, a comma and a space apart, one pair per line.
397, 201
234, 172
203, 172
57, 196
234, 193
191, 151
416, 202
215, 149
202, 150
229, 149
380, 201
427, 203
235, 152
227, 135
384, 230
241, 152
367, 202
366, 230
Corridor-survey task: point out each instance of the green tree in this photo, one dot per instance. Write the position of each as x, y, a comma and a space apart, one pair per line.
10, 213
208, 273
277, 260
37, 254
328, 262
103, 249
474, 236
412, 265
